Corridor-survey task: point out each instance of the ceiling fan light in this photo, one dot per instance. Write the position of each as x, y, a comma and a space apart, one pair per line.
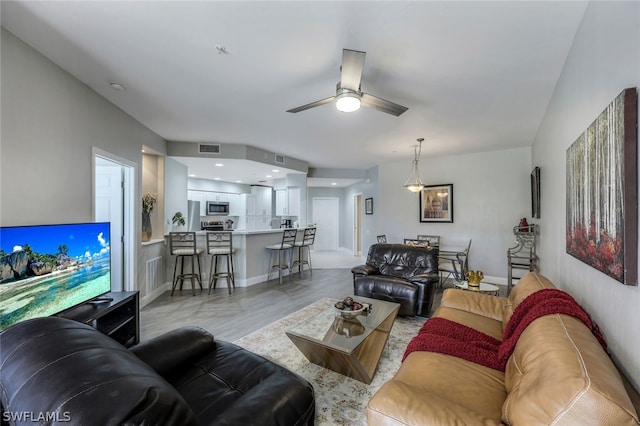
348, 102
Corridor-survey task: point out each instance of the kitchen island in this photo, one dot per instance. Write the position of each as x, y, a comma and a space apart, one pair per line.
251, 258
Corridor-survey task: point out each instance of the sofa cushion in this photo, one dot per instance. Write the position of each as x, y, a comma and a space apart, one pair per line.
237, 387
70, 370
400, 260
559, 373
480, 304
433, 388
488, 326
528, 284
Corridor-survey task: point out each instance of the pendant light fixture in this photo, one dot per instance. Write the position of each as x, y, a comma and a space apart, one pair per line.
414, 183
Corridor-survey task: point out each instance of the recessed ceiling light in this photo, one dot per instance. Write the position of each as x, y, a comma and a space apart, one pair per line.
143, 150
275, 171
117, 86
192, 175
219, 165
333, 183
238, 181
268, 176
216, 178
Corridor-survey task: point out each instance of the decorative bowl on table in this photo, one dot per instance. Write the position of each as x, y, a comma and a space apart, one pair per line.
348, 327
349, 308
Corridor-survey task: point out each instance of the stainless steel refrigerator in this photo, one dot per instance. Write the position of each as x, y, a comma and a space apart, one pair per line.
193, 216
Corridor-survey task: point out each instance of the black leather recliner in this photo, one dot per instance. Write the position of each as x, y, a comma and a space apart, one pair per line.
73, 374
399, 273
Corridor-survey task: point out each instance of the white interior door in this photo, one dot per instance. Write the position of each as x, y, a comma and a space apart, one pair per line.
326, 216
109, 204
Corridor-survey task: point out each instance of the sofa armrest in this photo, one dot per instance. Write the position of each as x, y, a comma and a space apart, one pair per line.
433, 278
174, 348
477, 303
426, 284
362, 270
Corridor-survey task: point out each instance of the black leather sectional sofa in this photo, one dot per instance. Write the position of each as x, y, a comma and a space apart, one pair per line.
58, 371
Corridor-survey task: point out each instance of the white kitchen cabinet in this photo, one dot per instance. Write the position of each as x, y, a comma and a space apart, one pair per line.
288, 202
293, 201
235, 209
281, 202
263, 200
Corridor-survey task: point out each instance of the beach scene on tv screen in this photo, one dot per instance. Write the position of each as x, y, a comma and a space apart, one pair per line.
47, 269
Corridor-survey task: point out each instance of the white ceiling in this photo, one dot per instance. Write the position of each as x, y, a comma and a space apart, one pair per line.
476, 75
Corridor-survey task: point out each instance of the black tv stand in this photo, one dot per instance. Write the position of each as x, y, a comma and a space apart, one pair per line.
100, 300
115, 314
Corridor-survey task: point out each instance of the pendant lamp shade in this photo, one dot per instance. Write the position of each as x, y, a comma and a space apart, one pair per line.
414, 183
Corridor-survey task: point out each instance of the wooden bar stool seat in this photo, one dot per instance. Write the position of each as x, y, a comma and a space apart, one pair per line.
286, 245
181, 245
220, 245
307, 241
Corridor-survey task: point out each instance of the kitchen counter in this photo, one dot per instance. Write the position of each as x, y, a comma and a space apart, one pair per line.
251, 258
249, 231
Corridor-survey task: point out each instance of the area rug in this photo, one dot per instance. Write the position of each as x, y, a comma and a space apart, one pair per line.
340, 400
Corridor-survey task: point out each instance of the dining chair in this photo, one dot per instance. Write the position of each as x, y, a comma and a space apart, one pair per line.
285, 246
181, 245
220, 247
454, 264
307, 241
433, 240
416, 242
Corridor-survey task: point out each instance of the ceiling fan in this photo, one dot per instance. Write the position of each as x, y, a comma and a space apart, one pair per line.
349, 95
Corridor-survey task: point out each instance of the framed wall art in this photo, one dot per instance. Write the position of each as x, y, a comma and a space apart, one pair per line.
602, 192
436, 203
368, 206
535, 193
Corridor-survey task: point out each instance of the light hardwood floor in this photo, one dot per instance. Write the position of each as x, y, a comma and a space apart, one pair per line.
231, 316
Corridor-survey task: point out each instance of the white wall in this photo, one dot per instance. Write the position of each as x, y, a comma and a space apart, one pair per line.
175, 189
604, 60
491, 192
50, 122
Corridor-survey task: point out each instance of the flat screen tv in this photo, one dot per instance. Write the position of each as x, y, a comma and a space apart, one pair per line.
46, 269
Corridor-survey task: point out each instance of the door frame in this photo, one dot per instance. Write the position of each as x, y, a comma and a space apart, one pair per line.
129, 247
357, 224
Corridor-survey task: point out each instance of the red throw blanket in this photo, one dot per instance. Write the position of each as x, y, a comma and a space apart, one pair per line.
448, 337
451, 338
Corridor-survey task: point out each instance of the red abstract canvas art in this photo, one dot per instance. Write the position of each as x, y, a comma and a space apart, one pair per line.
602, 201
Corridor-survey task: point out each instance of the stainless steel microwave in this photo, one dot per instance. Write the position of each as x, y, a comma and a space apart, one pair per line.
217, 208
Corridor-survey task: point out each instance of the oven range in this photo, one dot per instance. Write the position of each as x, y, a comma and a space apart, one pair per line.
213, 225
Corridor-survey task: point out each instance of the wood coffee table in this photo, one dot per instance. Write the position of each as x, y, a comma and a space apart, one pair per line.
352, 347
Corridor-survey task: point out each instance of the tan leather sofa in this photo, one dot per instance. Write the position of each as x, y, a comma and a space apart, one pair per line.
557, 374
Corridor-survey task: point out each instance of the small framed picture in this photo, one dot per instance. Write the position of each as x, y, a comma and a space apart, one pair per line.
436, 203
368, 206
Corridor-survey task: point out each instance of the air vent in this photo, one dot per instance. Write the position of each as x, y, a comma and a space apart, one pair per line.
205, 148
279, 159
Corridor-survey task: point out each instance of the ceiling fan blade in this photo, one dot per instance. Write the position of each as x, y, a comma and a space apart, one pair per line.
382, 105
312, 104
352, 65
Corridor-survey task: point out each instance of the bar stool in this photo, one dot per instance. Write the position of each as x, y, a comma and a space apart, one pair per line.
307, 241
219, 244
287, 243
181, 245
